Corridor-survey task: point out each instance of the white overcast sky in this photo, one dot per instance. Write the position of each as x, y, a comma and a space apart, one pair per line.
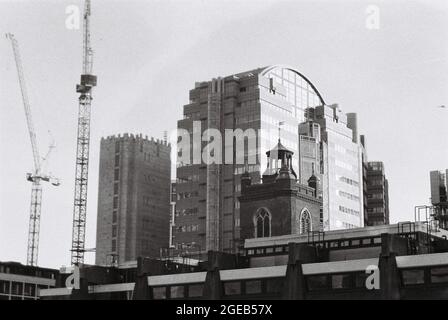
148, 54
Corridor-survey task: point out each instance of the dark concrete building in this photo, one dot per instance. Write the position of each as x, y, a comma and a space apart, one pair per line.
377, 193
279, 205
408, 260
133, 198
20, 282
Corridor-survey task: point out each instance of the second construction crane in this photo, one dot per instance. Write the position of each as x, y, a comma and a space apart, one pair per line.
88, 81
37, 176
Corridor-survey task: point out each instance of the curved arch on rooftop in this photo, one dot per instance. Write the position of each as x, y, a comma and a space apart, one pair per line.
281, 66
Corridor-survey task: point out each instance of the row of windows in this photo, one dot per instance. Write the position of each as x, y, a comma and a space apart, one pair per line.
375, 182
256, 286
349, 181
343, 165
186, 212
249, 168
187, 195
25, 271
348, 225
230, 288
349, 211
348, 195
353, 243
426, 275
20, 288
186, 245
336, 281
178, 292
191, 178
187, 228
375, 210
116, 191
375, 195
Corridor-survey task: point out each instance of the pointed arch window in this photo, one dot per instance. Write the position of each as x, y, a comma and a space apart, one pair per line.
305, 223
262, 223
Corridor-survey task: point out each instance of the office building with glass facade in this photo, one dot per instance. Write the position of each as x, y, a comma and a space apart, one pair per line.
207, 210
338, 162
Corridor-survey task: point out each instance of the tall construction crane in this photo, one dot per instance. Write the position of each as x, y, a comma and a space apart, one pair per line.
37, 176
88, 81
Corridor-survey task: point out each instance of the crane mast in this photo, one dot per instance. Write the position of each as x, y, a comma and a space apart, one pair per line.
36, 177
88, 81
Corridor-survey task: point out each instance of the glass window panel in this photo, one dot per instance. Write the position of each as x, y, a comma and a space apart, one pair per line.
317, 282
159, 292
253, 287
413, 277
30, 289
278, 249
4, 286
195, 290
274, 285
17, 288
439, 275
177, 292
341, 281
232, 288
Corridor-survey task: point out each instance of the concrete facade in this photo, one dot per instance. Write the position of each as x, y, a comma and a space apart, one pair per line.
133, 198
410, 263
20, 282
342, 179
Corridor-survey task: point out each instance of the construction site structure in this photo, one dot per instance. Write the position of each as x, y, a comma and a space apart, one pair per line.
88, 81
37, 176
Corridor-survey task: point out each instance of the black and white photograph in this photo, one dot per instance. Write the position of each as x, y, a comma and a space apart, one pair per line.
233, 152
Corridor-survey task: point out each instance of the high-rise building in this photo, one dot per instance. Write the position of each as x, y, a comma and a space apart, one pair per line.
362, 139
337, 155
377, 195
133, 198
265, 99
439, 192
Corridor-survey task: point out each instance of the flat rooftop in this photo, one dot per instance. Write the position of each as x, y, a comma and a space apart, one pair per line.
401, 227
